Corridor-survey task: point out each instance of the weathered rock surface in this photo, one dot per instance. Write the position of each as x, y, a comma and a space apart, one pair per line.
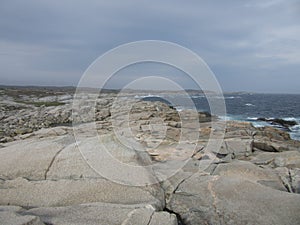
46, 173
46, 177
13, 215
223, 200
92, 213
103, 213
8, 218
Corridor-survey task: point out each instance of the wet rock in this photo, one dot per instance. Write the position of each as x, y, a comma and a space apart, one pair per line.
281, 122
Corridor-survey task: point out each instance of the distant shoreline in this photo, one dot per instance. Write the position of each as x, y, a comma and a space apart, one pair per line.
70, 87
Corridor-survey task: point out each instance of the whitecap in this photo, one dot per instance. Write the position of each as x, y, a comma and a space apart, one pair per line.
232, 97
179, 108
148, 96
252, 118
227, 118
258, 124
198, 96
289, 118
270, 118
295, 128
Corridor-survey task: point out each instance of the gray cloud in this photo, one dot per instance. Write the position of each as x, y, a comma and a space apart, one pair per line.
250, 45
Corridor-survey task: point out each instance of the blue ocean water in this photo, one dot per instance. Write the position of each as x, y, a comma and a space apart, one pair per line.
250, 107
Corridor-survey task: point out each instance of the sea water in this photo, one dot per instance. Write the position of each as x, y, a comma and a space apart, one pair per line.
247, 107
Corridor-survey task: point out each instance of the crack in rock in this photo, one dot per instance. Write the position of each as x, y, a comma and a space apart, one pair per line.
150, 217
214, 169
178, 216
181, 182
291, 182
197, 151
52, 161
214, 196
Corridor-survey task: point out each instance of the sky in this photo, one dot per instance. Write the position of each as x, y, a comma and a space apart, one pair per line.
249, 45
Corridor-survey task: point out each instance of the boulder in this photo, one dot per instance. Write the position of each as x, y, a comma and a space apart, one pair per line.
239, 147
272, 134
290, 159
269, 146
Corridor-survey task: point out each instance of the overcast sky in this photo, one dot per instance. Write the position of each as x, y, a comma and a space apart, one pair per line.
249, 45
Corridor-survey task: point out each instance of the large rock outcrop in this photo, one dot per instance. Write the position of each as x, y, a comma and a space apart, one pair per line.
253, 178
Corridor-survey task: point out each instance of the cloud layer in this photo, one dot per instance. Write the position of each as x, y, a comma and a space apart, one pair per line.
250, 45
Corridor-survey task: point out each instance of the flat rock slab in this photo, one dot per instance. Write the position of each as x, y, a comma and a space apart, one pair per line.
8, 208
28, 158
290, 159
69, 192
225, 200
11, 218
248, 171
238, 146
52, 172
102, 213
69, 164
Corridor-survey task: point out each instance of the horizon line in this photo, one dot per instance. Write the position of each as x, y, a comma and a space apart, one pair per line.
161, 90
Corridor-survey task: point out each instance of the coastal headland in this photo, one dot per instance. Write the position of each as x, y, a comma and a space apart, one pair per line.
50, 173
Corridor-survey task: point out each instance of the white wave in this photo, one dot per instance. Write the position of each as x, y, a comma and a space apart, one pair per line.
226, 97
252, 118
289, 118
147, 96
227, 118
295, 136
295, 128
179, 108
255, 124
197, 96
270, 118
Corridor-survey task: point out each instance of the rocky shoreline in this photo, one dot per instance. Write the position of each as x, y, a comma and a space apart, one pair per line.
284, 124
253, 178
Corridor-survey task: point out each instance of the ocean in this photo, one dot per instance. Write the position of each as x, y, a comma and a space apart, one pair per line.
250, 107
